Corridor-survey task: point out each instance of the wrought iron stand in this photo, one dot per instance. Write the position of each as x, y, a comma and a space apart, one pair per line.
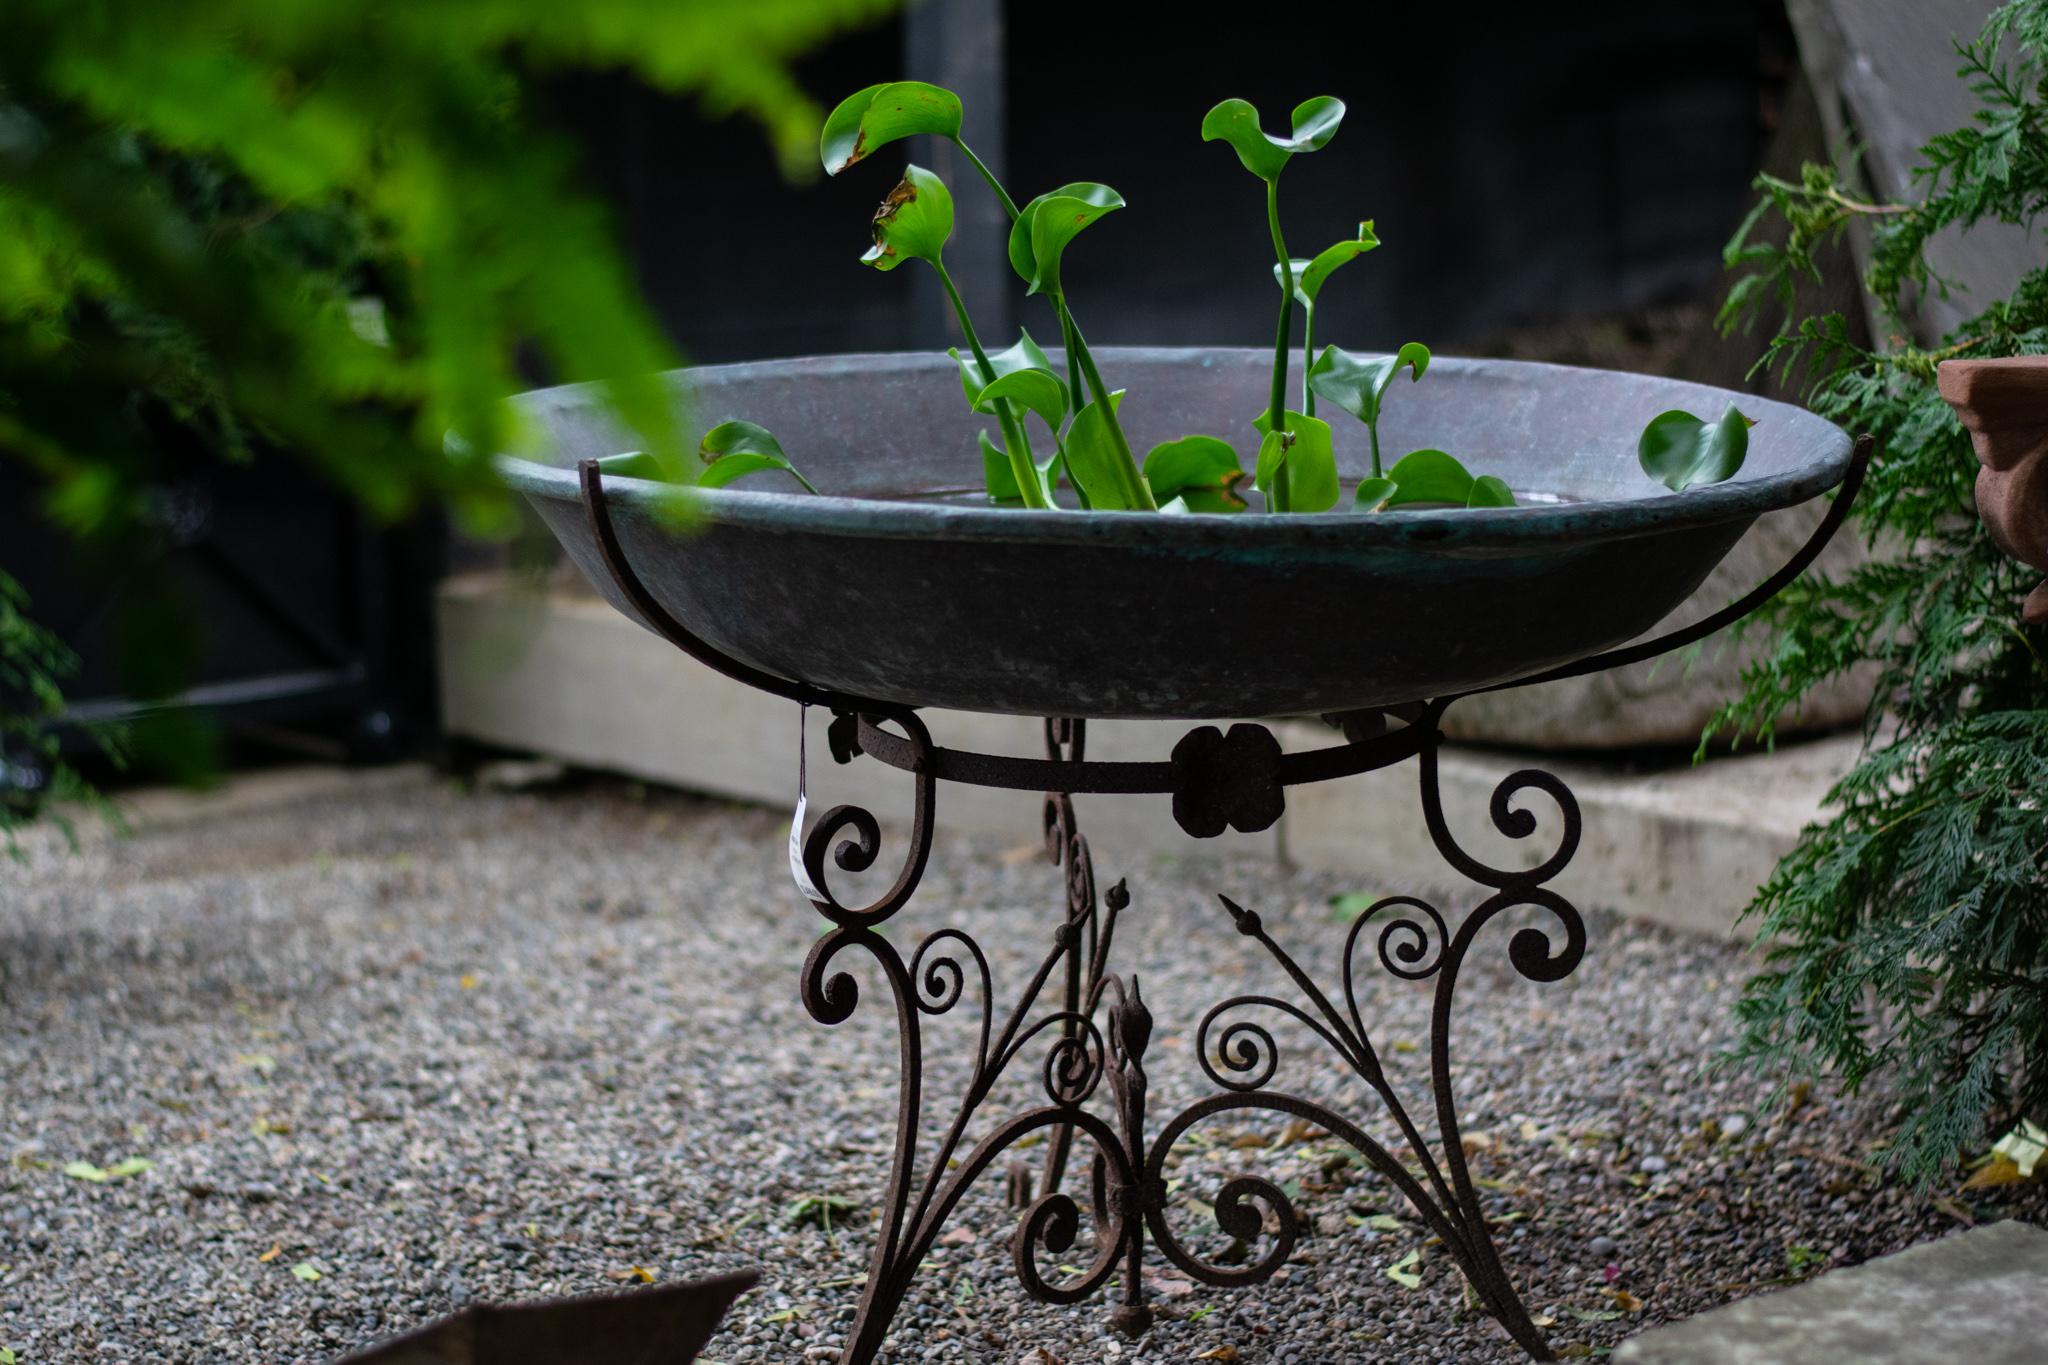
1087, 1027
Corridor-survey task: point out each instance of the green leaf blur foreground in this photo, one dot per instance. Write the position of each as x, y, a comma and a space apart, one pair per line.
1904, 930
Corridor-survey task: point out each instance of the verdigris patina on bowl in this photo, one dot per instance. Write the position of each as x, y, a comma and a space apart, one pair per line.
902, 584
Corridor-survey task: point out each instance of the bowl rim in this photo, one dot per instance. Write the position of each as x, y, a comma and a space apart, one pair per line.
1740, 498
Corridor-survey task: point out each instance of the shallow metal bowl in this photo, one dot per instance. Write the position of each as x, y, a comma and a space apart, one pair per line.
903, 585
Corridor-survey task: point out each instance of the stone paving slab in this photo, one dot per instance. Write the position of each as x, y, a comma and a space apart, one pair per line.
1979, 1296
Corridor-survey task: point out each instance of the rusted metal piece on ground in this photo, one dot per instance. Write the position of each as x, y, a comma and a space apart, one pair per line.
1086, 1029
665, 1324
2004, 405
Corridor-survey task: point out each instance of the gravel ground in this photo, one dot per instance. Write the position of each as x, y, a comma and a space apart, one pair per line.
400, 1047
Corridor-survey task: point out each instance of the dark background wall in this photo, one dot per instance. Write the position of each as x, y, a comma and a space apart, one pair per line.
1523, 163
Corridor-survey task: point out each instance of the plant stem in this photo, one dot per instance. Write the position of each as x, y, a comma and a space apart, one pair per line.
1136, 489
1003, 195
1069, 344
1276, 411
1373, 429
1308, 358
1015, 439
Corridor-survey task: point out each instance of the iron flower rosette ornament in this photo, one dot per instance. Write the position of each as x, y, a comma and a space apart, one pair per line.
891, 592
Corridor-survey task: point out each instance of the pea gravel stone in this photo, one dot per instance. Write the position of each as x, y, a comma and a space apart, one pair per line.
395, 1046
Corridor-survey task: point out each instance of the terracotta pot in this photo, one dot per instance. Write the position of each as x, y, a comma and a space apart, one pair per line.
2004, 405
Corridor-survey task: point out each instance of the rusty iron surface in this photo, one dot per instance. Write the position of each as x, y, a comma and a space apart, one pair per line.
664, 1324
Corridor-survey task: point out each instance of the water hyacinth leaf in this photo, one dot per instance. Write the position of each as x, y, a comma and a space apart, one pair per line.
1094, 462
1358, 384
1680, 451
1195, 466
1039, 390
1489, 491
634, 464
1429, 476
1310, 275
1311, 466
1373, 493
1265, 156
1306, 450
728, 468
913, 223
996, 472
1025, 355
1048, 223
881, 114
734, 449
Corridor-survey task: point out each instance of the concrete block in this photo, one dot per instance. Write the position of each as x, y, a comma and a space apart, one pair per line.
1979, 1296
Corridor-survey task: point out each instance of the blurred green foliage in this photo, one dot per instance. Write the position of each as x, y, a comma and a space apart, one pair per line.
335, 230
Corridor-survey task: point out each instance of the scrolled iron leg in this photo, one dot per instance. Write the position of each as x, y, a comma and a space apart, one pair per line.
1414, 943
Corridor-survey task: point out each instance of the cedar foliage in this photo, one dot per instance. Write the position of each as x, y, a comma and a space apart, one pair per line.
328, 230
1910, 928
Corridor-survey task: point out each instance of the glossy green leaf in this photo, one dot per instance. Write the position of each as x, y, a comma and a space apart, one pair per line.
1039, 390
1200, 470
734, 449
1358, 384
1489, 491
1430, 476
1680, 451
1044, 227
1373, 492
727, 469
913, 223
881, 114
1093, 458
1265, 156
1311, 461
634, 464
996, 472
1025, 355
1311, 274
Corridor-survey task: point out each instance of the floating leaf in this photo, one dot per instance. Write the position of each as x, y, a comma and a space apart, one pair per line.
732, 450
1044, 227
1680, 451
881, 114
1203, 472
134, 1165
1429, 476
1226, 1354
1358, 384
1310, 275
307, 1271
1402, 1272
914, 222
1383, 1222
1489, 491
85, 1170
1265, 156
276, 1250
1373, 493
